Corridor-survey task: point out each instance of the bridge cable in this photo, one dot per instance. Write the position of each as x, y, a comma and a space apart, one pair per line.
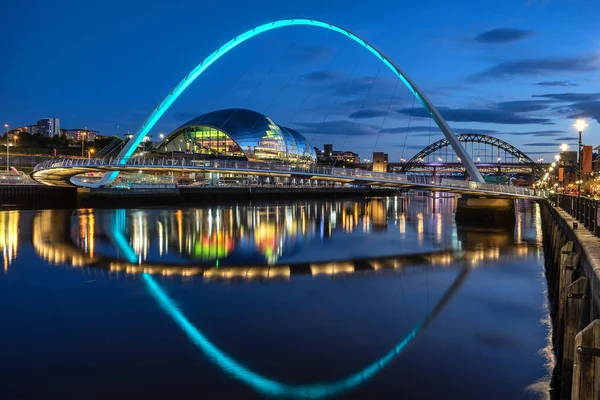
361, 107
386, 114
260, 82
339, 94
407, 128
227, 91
310, 93
277, 96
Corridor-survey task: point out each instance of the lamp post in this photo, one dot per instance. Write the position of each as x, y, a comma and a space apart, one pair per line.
7, 151
82, 134
580, 125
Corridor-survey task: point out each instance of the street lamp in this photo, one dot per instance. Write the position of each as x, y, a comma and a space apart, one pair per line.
162, 136
564, 147
7, 152
82, 134
580, 125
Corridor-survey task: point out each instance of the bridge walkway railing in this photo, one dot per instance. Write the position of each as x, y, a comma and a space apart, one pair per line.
304, 169
585, 209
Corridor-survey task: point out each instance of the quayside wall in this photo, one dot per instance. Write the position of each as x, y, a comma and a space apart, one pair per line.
572, 254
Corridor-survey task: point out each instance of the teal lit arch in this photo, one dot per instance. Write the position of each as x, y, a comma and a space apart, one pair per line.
236, 41
271, 387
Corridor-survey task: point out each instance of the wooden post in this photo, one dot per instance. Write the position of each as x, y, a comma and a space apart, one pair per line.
567, 269
586, 367
576, 295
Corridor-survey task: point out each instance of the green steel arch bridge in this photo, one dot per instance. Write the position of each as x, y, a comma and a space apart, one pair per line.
490, 154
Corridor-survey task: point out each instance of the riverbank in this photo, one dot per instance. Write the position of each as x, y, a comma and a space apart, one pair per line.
572, 255
40, 197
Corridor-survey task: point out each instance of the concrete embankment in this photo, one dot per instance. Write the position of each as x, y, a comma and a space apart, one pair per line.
220, 195
573, 273
36, 197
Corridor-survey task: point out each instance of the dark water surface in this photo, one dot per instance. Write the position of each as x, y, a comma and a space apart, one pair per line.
374, 299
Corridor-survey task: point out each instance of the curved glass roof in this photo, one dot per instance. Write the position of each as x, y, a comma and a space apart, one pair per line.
257, 136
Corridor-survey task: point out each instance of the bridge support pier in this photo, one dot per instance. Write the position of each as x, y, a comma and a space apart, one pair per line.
485, 212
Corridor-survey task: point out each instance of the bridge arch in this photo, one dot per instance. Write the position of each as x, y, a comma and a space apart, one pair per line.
208, 61
469, 138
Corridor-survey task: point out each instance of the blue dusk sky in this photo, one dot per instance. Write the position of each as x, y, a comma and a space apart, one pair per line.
521, 70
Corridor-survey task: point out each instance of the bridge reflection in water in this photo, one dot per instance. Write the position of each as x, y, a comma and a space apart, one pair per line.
258, 242
254, 242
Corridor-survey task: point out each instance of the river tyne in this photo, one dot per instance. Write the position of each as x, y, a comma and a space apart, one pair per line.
353, 299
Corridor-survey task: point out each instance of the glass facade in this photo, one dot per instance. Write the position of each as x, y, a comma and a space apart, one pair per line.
240, 133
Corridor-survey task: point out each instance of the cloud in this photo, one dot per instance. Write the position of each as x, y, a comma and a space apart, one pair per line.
363, 114
340, 127
556, 83
309, 53
519, 106
404, 129
586, 109
479, 131
503, 35
490, 116
534, 133
568, 97
185, 115
538, 66
323, 76
541, 144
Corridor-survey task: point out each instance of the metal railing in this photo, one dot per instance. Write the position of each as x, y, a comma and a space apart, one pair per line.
310, 169
586, 210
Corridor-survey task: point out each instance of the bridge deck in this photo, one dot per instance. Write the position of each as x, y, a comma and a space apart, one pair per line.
60, 172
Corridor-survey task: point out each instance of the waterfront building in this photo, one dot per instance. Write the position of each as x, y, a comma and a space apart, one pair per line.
568, 158
31, 129
239, 133
380, 161
77, 134
48, 127
328, 153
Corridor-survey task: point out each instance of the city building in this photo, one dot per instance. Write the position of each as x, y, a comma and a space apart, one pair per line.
77, 134
239, 133
568, 158
31, 129
48, 127
380, 162
328, 153
347, 156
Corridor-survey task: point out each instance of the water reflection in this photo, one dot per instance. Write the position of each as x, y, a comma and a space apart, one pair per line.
9, 237
268, 241
277, 242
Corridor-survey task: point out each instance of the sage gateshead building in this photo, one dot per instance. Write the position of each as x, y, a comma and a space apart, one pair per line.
240, 133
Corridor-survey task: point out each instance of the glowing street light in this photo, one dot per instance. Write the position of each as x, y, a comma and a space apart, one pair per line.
162, 136
580, 125
564, 147
7, 145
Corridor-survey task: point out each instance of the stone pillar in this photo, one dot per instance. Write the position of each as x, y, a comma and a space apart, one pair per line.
485, 212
